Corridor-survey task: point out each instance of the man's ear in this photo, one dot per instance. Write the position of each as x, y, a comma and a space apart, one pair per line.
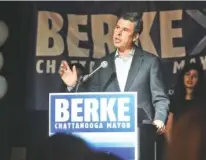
135, 38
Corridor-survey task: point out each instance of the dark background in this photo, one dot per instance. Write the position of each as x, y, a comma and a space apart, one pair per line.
15, 52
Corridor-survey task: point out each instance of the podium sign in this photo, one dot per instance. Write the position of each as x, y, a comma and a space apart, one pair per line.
106, 121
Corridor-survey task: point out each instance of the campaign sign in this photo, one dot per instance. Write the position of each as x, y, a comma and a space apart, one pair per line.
106, 121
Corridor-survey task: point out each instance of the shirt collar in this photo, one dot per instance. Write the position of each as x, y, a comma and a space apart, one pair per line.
130, 54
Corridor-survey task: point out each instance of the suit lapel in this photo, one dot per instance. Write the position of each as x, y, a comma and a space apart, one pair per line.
134, 68
112, 69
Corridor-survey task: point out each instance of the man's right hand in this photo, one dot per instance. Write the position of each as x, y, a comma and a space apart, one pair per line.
69, 76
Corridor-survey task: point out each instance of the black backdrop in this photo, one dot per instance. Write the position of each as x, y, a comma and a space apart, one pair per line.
172, 30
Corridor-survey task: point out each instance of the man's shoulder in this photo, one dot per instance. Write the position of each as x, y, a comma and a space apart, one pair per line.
146, 54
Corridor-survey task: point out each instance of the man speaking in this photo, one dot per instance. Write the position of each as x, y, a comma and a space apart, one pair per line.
129, 69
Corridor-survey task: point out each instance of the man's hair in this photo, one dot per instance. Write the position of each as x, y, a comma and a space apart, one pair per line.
133, 17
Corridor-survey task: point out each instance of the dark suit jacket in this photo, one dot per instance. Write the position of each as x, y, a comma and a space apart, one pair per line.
145, 77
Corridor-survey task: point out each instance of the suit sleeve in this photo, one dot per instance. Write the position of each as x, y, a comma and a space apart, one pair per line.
160, 100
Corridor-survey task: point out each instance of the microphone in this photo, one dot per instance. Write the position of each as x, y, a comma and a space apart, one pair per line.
103, 64
111, 78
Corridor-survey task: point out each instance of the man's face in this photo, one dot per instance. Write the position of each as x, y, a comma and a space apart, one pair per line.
124, 34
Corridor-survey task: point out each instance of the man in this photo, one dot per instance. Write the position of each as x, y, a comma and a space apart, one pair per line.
136, 70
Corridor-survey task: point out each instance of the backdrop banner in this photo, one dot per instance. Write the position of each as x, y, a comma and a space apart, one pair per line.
82, 32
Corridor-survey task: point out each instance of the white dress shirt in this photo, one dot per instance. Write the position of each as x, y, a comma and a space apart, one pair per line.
122, 64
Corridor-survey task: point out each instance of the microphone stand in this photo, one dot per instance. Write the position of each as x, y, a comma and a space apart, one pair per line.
78, 84
103, 64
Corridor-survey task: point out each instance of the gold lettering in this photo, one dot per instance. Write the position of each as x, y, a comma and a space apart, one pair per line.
38, 66
44, 33
203, 61
167, 33
177, 66
98, 35
50, 66
145, 39
75, 36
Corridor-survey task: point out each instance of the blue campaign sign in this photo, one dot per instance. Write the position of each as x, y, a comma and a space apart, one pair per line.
107, 121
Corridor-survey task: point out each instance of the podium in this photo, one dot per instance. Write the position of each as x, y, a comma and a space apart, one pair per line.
107, 121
